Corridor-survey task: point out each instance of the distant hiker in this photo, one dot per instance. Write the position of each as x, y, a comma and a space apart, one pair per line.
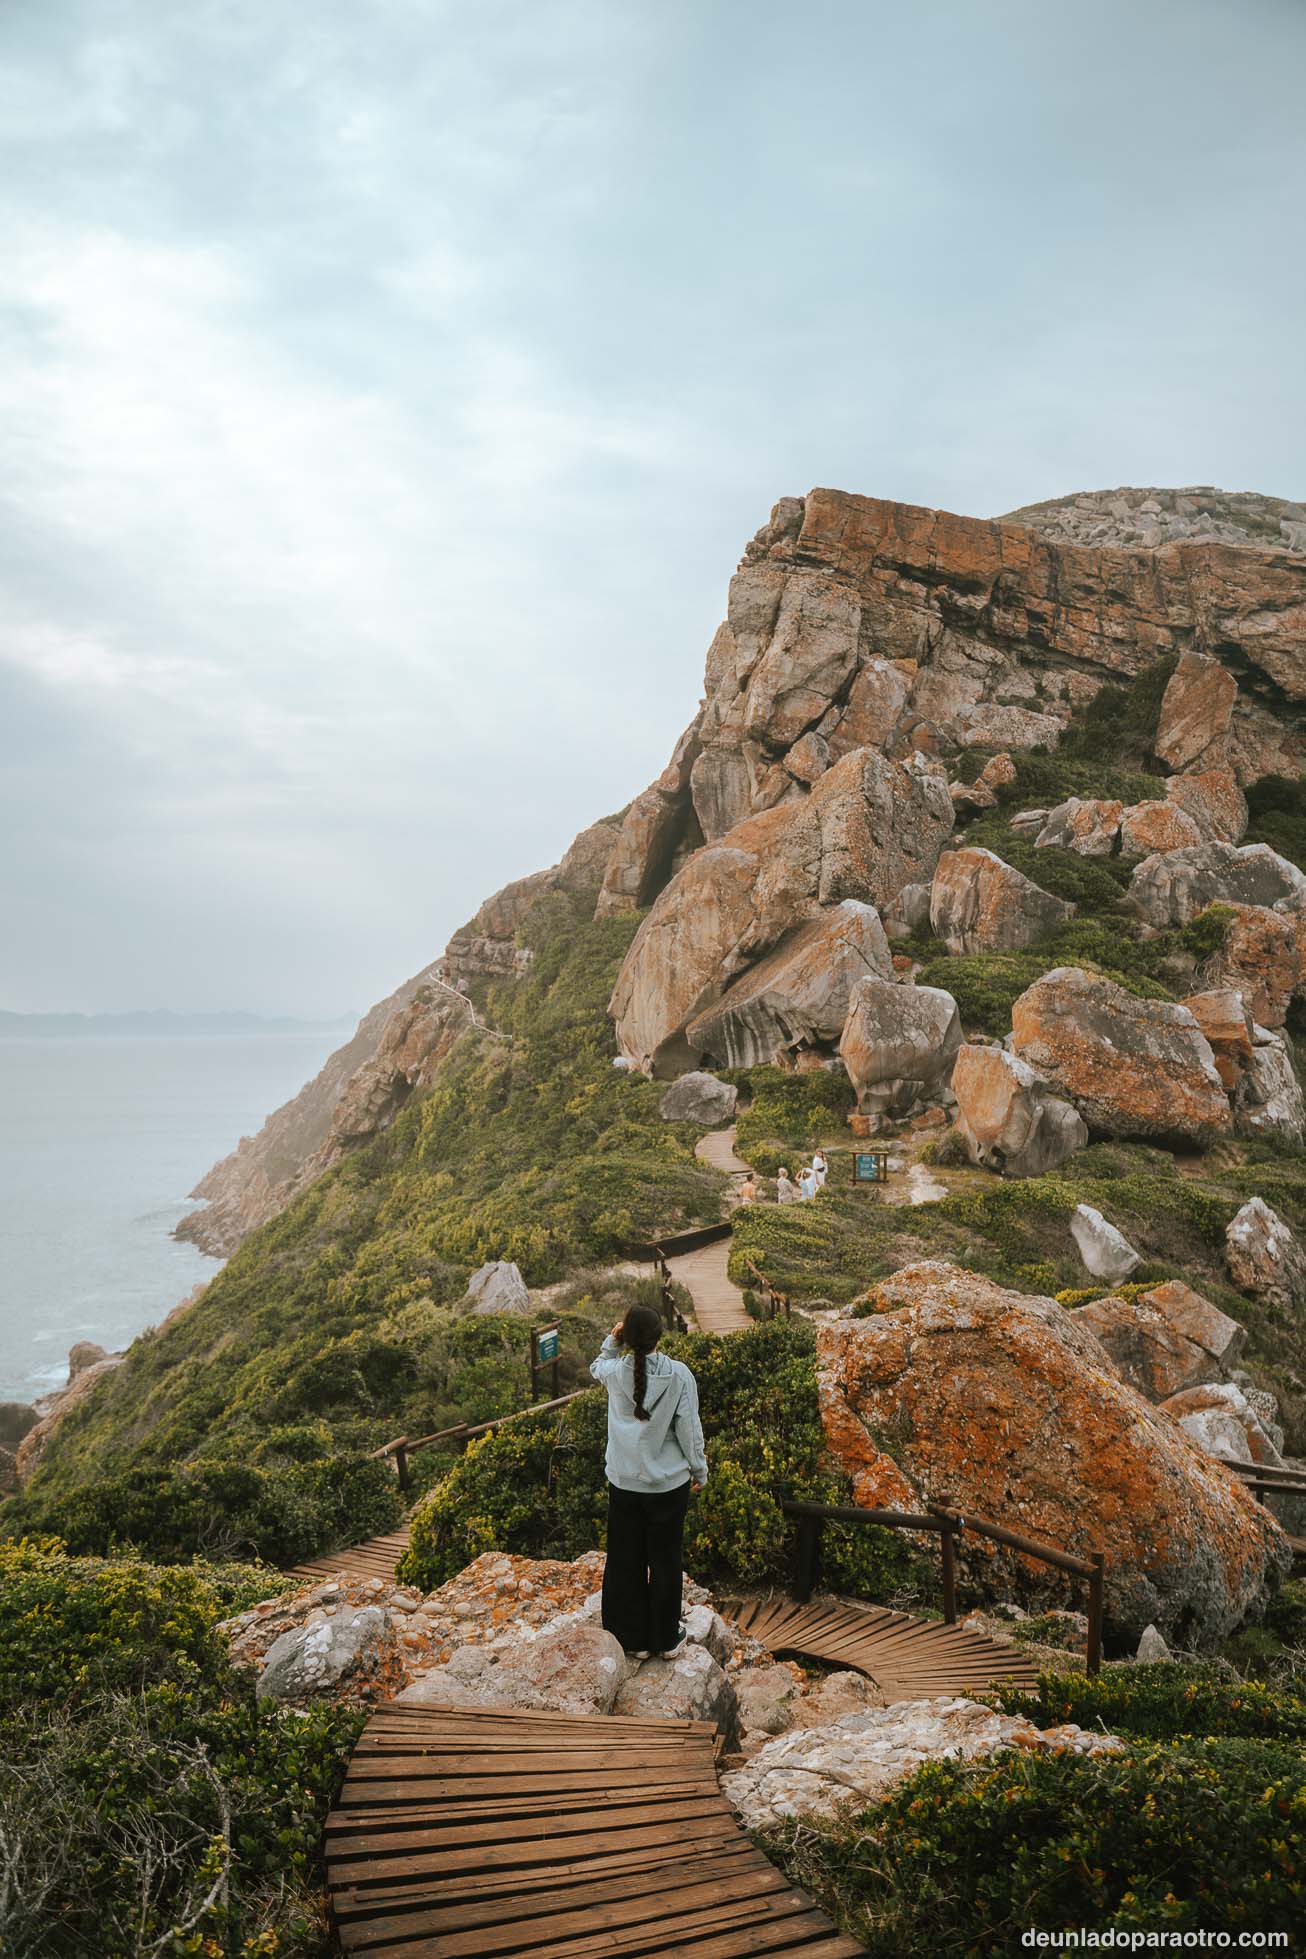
807, 1184
748, 1189
820, 1169
655, 1458
785, 1191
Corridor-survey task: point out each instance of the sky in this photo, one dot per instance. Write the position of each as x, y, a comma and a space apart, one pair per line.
388, 389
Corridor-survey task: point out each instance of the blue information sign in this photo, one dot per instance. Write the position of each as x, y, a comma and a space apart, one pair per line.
548, 1348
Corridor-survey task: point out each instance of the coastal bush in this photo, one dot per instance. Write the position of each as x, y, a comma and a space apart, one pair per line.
1161, 1701
788, 1114
1207, 1835
1276, 807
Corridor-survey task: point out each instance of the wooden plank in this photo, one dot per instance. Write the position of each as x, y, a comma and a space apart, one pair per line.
438, 1859
493, 1895
543, 1828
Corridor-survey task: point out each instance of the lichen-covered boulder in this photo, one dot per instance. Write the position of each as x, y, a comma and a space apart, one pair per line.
1000, 1404
1221, 1013
980, 904
1196, 714
1197, 1320
907, 914
1147, 1351
1132, 1067
1159, 826
899, 1043
1090, 826
1265, 1256
868, 827
1009, 1118
699, 1097
798, 996
861, 1758
1171, 887
312, 1659
1214, 801
1263, 957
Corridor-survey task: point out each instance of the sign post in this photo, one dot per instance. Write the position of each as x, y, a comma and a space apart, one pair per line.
870, 1167
545, 1342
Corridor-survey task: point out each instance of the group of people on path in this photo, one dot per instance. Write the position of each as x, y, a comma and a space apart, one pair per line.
811, 1179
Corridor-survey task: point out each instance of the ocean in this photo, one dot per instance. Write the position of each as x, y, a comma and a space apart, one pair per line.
100, 1139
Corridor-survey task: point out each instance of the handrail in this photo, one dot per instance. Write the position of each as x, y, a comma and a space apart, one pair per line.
404, 1445
778, 1300
950, 1525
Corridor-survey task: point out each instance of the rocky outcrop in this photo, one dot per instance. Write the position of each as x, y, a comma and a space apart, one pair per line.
1131, 1067
83, 1354
33, 1444
699, 1097
980, 904
1158, 826
1146, 1349
867, 828
1199, 514
1009, 1118
999, 1404
798, 996
1106, 1252
861, 1758
1263, 957
1214, 801
1172, 888
1090, 827
899, 1044
1196, 714
1265, 1256
498, 1288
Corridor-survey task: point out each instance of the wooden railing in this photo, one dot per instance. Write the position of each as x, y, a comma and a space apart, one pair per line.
1267, 1479
404, 1446
948, 1525
773, 1303
660, 1250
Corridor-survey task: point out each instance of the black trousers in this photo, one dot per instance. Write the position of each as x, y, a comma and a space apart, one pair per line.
643, 1574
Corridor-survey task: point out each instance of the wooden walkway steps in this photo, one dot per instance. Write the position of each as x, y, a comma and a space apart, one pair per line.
907, 1658
375, 1558
718, 1149
479, 1835
718, 1302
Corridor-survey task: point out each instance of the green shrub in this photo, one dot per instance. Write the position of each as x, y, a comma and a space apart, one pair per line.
1161, 1701
1204, 935
1277, 809
788, 1114
1209, 1836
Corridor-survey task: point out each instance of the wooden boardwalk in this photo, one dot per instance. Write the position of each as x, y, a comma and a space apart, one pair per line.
907, 1658
479, 1835
376, 1558
718, 1302
718, 1149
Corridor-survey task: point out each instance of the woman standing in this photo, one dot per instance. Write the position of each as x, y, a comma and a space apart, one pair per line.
655, 1458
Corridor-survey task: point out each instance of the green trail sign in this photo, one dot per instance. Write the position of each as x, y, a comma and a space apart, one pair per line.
870, 1167
548, 1348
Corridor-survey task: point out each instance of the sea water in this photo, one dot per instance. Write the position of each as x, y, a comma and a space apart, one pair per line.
100, 1140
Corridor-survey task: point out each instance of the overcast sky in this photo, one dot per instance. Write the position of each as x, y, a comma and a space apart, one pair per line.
388, 387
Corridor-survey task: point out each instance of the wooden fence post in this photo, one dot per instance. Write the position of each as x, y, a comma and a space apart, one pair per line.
948, 1547
809, 1558
401, 1468
1096, 1609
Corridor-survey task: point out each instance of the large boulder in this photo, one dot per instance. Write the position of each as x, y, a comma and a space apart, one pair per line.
898, 1044
1146, 1349
1000, 1405
1172, 887
798, 996
313, 1659
1264, 957
1220, 1419
980, 904
1196, 714
1268, 1100
83, 1354
816, 1772
1009, 1118
1160, 826
867, 828
1106, 1252
1090, 826
687, 1685
570, 1665
1214, 801
498, 1288
1132, 1067
699, 1097
1265, 1256
1221, 1013
1195, 1319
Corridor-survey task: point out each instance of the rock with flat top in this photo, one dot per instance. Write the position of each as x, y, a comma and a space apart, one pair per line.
1146, 1349
1195, 1319
898, 1044
980, 904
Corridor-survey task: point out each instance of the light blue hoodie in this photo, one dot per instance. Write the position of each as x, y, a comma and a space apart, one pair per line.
665, 1451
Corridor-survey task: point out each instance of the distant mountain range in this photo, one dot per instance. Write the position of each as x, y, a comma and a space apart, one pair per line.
160, 1022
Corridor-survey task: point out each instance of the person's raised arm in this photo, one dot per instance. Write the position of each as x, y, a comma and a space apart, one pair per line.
689, 1430
607, 1362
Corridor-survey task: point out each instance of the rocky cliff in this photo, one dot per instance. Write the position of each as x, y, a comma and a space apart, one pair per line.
868, 647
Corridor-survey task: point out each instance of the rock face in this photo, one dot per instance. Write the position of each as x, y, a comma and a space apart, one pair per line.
980, 904
1131, 1067
1149, 827
1264, 958
1106, 1253
1196, 714
815, 1772
1213, 800
1265, 1256
1154, 517
867, 828
798, 996
699, 1097
1171, 888
1000, 1404
312, 1660
899, 1044
1009, 1118
1147, 1350
498, 1288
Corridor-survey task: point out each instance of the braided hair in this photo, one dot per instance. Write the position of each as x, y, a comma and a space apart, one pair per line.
640, 1331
